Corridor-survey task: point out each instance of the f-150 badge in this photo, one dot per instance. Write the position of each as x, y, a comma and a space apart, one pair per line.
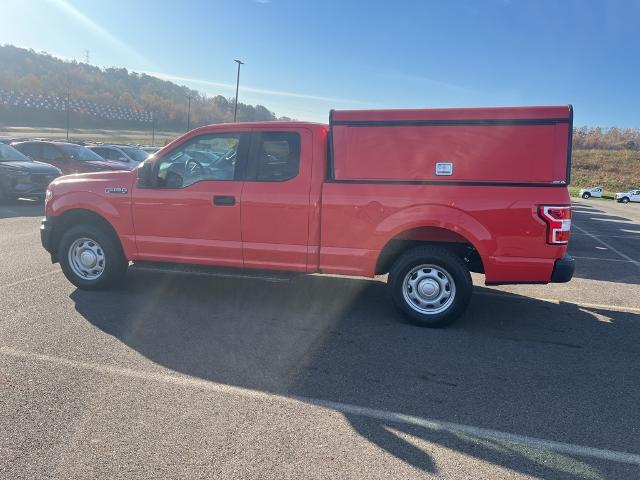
116, 190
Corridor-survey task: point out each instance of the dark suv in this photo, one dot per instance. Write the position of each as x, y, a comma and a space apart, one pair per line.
68, 157
22, 177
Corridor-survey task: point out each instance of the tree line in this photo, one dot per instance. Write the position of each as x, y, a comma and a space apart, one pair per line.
39, 73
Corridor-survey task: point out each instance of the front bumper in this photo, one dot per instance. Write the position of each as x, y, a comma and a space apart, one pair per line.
563, 269
46, 236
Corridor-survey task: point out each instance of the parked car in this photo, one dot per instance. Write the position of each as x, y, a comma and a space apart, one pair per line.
150, 150
591, 192
411, 193
129, 157
630, 196
22, 177
68, 157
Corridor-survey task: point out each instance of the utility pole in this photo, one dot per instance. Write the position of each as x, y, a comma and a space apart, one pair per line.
153, 128
189, 113
235, 108
68, 99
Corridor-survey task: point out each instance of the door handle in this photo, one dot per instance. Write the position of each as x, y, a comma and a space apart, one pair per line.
224, 200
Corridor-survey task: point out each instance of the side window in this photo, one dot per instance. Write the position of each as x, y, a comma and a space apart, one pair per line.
207, 157
107, 153
276, 156
30, 150
51, 153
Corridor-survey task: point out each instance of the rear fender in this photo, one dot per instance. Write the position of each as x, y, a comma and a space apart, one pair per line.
439, 216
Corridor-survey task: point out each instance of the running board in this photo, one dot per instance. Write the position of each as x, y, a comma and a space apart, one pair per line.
210, 271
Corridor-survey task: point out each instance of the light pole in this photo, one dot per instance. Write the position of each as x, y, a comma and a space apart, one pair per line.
189, 113
68, 100
235, 108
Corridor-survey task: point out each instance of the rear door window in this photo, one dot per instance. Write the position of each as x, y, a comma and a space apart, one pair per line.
275, 156
32, 150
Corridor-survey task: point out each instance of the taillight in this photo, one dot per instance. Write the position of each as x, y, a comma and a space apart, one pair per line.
558, 221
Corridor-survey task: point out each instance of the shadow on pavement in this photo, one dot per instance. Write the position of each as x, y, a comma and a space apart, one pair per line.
512, 363
21, 208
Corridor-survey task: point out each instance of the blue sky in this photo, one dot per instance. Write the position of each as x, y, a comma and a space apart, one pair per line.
306, 57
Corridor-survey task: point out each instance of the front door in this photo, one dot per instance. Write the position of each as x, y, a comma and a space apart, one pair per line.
191, 212
275, 200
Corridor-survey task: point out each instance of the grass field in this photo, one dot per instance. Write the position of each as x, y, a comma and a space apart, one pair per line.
615, 170
141, 137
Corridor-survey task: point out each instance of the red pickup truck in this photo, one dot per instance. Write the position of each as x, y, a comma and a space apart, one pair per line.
426, 196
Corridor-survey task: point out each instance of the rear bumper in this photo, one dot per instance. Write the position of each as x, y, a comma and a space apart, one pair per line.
563, 269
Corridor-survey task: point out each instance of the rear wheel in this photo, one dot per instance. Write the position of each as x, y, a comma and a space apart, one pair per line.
91, 257
586, 195
430, 285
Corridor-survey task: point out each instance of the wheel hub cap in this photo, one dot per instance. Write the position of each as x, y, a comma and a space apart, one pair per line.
86, 258
429, 289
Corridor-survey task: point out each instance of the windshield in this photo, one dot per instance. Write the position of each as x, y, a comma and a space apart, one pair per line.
78, 152
10, 154
136, 154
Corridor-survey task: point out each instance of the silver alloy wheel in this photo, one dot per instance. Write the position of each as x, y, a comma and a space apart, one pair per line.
86, 258
428, 289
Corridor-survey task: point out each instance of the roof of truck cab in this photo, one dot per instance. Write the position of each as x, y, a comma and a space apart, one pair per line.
271, 124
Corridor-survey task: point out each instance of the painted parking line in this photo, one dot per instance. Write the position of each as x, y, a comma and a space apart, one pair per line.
625, 237
383, 415
621, 260
617, 308
27, 280
613, 249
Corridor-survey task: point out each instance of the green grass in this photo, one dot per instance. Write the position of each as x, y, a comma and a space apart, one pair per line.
141, 137
615, 170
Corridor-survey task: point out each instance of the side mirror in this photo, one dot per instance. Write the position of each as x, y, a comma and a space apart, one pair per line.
145, 175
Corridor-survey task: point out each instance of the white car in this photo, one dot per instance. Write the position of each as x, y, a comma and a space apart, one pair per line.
591, 192
630, 196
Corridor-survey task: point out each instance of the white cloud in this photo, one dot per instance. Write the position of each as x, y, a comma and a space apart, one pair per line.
258, 90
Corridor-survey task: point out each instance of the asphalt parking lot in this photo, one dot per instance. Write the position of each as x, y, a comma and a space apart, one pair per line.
191, 377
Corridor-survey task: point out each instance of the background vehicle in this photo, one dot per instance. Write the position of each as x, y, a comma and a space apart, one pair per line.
375, 192
68, 157
591, 192
150, 150
129, 156
630, 196
22, 177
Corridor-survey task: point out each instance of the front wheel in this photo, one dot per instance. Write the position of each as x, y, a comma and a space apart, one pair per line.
586, 195
431, 286
625, 200
91, 257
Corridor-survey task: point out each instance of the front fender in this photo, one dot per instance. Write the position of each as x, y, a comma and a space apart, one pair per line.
116, 211
440, 216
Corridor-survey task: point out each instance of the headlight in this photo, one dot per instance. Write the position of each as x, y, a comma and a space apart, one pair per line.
14, 172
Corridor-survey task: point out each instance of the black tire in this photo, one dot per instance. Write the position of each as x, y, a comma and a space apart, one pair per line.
586, 195
625, 200
115, 263
445, 260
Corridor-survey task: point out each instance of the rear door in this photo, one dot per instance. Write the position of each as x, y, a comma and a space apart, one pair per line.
275, 200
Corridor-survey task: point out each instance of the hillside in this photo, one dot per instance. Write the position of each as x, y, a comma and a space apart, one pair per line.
615, 170
33, 92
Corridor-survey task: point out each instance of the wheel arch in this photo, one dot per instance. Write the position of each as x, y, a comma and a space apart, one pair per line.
434, 225
79, 216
